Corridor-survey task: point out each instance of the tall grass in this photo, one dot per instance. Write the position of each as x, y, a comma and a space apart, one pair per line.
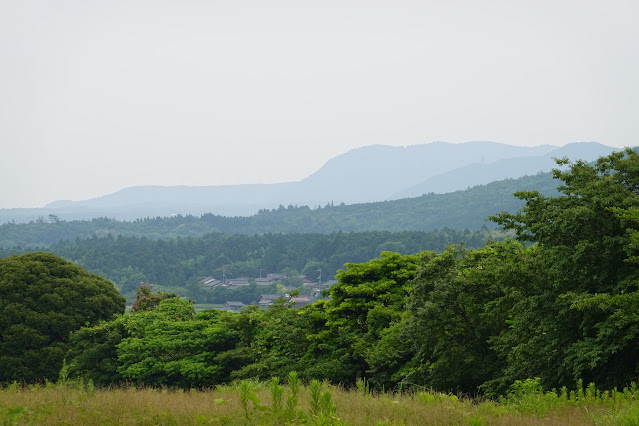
290, 402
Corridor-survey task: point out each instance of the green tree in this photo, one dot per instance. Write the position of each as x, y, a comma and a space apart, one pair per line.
292, 278
279, 342
461, 301
42, 299
173, 346
147, 300
368, 299
577, 318
92, 353
131, 279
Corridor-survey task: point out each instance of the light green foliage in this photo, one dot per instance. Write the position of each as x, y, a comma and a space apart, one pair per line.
170, 345
42, 299
293, 398
322, 410
173, 346
75, 402
362, 386
276, 394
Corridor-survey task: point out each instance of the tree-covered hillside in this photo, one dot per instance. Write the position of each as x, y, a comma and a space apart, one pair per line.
466, 209
177, 264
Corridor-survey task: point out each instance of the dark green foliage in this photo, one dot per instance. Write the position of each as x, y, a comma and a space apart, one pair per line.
577, 318
459, 302
93, 352
42, 299
249, 294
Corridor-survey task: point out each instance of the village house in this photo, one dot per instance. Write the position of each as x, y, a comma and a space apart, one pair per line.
210, 282
233, 306
269, 279
236, 283
299, 301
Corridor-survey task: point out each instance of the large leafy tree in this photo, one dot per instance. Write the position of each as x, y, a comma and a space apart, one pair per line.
167, 345
277, 341
577, 318
42, 299
173, 346
368, 299
460, 300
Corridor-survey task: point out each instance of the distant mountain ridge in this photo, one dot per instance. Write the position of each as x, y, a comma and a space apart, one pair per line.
509, 168
368, 174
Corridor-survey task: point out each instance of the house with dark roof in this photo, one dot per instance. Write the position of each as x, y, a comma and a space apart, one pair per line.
233, 306
269, 279
210, 282
236, 283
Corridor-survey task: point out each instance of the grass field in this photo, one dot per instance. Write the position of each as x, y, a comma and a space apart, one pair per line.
271, 403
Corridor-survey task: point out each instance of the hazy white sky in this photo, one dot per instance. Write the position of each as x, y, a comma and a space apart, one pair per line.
99, 95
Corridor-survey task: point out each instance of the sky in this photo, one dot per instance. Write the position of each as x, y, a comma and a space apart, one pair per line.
96, 96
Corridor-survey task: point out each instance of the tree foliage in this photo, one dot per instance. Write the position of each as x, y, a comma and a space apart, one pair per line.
575, 319
42, 299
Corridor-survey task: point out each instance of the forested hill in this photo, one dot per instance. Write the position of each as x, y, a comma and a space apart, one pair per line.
466, 209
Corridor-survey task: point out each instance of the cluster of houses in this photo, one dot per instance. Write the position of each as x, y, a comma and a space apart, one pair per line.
267, 299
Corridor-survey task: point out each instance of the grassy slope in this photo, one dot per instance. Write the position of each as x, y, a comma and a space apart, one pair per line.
73, 404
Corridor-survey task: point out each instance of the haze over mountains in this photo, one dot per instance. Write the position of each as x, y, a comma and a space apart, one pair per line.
507, 168
368, 174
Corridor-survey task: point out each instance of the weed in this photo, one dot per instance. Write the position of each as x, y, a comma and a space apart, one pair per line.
362, 386
277, 391
323, 411
293, 397
476, 421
